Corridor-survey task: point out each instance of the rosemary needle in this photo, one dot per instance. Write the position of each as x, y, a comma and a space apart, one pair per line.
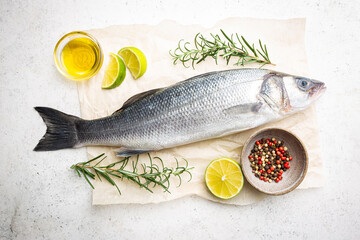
150, 175
216, 46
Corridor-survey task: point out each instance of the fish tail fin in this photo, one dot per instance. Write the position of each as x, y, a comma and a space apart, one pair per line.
61, 130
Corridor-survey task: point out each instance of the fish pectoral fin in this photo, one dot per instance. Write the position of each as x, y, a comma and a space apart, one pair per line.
136, 98
243, 109
124, 152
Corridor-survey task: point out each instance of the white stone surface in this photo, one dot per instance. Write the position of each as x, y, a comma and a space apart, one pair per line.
40, 196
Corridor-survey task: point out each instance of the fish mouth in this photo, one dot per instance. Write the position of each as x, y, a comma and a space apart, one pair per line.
318, 89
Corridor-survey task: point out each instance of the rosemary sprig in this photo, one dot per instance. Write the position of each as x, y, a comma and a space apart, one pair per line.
149, 176
227, 48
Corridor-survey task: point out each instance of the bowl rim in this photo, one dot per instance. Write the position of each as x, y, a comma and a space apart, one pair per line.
297, 183
92, 38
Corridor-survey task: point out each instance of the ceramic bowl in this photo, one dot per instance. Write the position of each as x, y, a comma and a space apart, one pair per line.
298, 165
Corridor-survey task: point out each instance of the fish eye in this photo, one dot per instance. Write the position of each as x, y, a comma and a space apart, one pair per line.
303, 83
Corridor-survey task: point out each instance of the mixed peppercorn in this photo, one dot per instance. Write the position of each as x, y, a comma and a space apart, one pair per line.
269, 159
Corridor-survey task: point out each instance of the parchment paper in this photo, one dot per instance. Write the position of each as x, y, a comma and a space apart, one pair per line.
285, 42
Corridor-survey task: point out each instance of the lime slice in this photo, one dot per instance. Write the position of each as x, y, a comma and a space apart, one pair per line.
115, 72
135, 61
224, 178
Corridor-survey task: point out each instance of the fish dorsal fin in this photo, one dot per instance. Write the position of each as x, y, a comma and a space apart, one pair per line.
136, 98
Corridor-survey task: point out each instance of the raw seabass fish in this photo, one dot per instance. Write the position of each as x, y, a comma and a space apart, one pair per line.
206, 106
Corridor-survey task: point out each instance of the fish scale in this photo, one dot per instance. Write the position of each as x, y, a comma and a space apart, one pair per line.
197, 103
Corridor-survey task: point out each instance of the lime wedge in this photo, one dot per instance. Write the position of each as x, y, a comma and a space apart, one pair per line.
135, 61
224, 178
115, 72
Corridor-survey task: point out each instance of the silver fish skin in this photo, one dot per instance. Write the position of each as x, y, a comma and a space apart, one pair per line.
206, 106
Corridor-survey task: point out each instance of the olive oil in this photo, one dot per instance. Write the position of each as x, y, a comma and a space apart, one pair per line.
80, 57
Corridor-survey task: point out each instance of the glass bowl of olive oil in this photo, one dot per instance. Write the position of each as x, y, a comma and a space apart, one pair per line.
78, 56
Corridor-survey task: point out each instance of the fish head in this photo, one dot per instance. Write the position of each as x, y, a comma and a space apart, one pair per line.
302, 92
287, 94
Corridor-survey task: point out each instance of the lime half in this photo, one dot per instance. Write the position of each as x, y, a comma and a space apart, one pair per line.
224, 178
115, 72
135, 61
